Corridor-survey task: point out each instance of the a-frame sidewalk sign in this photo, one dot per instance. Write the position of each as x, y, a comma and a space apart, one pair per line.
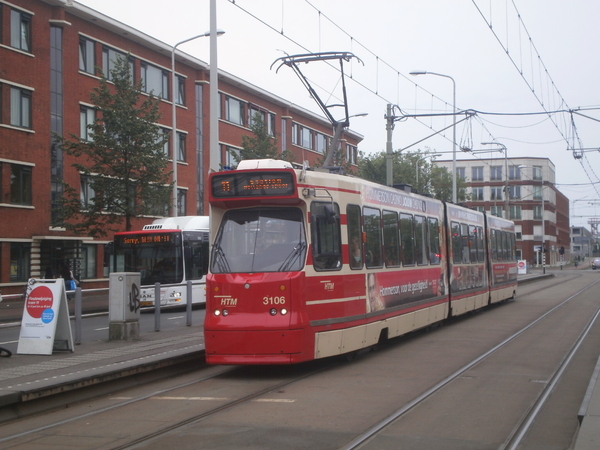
45, 326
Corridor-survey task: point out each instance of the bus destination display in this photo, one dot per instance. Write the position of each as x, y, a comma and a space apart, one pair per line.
150, 238
252, 184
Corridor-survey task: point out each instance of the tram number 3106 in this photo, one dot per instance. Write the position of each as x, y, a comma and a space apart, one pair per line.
274, 300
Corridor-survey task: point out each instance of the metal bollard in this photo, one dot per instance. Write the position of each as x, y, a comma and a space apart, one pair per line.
156, 306
188, 306
78, 315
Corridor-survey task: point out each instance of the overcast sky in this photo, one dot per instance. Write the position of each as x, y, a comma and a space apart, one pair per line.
395, 37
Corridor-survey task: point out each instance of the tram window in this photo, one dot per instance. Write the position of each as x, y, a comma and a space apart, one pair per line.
421, 252
354, 236
473, 243
372, 223
495, 248
499, 245
406, 237
480, 245
456, 243
390, 239
513, 246
464, 232
326, 235
506, 245
434, 241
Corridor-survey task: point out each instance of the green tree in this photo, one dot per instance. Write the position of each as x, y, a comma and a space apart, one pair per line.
259, 145
432, 180
122, 162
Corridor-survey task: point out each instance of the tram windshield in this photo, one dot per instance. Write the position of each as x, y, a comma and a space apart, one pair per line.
260, 240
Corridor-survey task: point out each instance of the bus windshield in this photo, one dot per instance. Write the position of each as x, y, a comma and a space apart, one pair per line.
157, 257
260, 240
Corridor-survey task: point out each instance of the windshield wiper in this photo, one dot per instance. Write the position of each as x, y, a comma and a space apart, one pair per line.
221, 259
292, 257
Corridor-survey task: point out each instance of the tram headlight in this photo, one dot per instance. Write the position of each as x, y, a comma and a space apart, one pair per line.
283, 312
217, 312
225, 313
273, 312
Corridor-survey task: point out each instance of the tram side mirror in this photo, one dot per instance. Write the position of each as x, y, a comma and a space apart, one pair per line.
329, 211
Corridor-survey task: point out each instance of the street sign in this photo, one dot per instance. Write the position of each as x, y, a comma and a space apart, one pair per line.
45, 325
537, 248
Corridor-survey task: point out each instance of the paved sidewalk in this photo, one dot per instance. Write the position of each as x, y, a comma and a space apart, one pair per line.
28, 377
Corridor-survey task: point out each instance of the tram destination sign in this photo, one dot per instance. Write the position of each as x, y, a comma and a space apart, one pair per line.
230, 185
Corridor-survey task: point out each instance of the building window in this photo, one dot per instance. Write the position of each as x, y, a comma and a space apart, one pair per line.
271, 124
20, 184
537, 192
461, 172
537, 172
20, 30
496, 173
180, 91
87, 193
87, 55
496, 193
181, 146
252, 111
477, 194
109, 57
88, 263
496, 211
321, 143
181, 202
87, 118
515, 192
477, 174
480, 208
514, 172
20, 261
165, 134
234, 110
307, 138
515, 212
537, 212
155, 81
20, 107
230, 162
295, 133
351, 154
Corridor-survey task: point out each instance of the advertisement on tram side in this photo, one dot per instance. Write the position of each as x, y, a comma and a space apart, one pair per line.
389, 289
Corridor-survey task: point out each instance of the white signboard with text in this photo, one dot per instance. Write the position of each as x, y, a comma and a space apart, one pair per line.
45, 325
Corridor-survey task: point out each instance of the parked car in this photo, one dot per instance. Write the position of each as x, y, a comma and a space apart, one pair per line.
596, 263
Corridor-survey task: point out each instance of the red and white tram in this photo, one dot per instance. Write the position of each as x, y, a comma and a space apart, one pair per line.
308, 264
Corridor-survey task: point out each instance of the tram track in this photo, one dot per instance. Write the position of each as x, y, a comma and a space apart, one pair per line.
270, 383
524, 424
222, 372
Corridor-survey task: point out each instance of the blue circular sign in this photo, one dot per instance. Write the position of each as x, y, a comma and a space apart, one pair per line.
48, 315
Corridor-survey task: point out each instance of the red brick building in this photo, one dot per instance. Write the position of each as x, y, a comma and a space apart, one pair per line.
51, 53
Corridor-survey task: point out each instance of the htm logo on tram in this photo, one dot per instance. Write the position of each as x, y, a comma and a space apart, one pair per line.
229, 301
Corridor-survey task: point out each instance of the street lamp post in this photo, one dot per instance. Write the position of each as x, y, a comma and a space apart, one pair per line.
507, 214
424, 72
418, 166
543, 224
174, 99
